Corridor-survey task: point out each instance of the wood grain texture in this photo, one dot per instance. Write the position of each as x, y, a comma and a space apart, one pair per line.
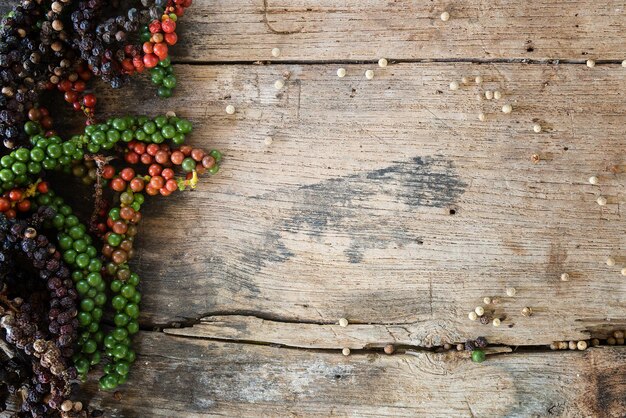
348, 212
193, 378
304, 30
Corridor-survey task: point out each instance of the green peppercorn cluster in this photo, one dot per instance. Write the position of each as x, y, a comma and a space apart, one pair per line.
163, 76
100, 278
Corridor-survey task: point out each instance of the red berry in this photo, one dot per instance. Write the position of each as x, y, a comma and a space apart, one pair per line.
155, 26
5, 204
164, 191
167, 173
148, 47
197, 154
177, 157
151, 191
131, 157
127, 64
77, 105
43, 187
24, 205
160, 50
146, 159
162, 157
65, 85
186, 149
140, 148
138, 62
150, 60
118, 184
10, 214
15, 195
79, 86
155, 170
108, 171
89, 100
156, 182
152, 149
70, 96
168, 25
171, 38
171, 185
127, 174
136, 184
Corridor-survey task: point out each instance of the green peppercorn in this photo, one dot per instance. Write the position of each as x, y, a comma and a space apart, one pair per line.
188, 164
127, 291
478, 356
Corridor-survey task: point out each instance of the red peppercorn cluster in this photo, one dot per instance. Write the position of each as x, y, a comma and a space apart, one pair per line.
74, 88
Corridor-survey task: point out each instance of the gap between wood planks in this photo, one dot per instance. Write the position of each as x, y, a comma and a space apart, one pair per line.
546, 61
177, 329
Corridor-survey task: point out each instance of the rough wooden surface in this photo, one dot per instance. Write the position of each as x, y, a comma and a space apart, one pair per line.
247, 30
348, 212
192, 378
386, 202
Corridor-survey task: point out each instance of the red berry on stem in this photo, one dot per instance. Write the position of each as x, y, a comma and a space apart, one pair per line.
161, 50
79, 86
127, 174
155, 170
148, 47
171, 38
168, 25
70, 96
108, 171
43, 187
152, 149
89, 100
150, 60
171, 185
118, 184
167, 173
136, 184
24, 205
15, 195
155, 26
140, 148
146, 159
131, 157
5, 204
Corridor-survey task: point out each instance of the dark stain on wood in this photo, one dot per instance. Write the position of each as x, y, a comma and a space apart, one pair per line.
343, 205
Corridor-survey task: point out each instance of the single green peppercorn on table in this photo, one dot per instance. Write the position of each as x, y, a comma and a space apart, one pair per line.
399, 202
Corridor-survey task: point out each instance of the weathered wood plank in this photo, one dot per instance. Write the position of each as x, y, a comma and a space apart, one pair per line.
429, 334
389, 202
247, 30
193, 378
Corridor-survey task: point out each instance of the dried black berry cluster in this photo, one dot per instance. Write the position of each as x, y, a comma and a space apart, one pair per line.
43, 44
38, 308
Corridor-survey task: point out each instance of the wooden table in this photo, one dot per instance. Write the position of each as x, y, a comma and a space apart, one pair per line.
389, 203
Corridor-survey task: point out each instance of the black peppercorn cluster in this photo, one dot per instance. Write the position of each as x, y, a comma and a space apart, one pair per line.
62, 43
38, 324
